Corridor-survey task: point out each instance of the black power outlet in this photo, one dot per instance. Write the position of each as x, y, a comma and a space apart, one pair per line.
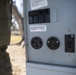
36, 42
70, 43
53, 43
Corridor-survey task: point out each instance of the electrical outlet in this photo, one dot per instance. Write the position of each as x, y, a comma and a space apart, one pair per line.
36, 42
70, 43
53, 43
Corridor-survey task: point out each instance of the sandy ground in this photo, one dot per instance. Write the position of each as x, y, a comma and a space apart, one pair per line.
17, 55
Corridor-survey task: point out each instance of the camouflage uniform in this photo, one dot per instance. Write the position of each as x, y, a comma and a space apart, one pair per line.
5, 17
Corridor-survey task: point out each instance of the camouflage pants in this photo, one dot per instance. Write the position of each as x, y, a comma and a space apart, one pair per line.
5, 65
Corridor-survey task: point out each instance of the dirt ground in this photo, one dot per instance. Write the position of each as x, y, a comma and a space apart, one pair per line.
17, 55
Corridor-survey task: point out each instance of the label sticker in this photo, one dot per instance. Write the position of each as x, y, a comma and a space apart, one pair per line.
35, 4
38, 28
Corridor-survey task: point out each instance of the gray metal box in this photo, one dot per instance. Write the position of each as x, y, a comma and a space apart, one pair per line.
60, 27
